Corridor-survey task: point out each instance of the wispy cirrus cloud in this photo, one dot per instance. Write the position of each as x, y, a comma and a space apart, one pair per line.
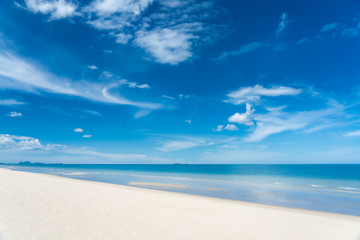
115, 156
242, 50
352, 134
134, 84
254, 94
106, 157
329, 27
10, 102
91, 112
184, 142
19, 74
276, 120
303, 41
347, 29
283, 23
171, 146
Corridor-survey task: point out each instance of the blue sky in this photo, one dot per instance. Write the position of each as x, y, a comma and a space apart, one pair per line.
170, 81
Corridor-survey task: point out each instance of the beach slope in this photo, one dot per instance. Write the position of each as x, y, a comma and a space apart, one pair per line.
43, 207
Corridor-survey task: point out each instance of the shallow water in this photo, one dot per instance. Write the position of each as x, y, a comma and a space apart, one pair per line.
330, 188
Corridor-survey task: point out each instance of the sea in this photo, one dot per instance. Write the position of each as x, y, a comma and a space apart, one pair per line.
321, 187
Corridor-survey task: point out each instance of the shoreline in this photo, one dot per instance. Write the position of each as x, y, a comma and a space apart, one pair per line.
343, 206
45, 206
167, 187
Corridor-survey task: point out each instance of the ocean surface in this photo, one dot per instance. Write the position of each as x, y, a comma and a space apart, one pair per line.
330, 188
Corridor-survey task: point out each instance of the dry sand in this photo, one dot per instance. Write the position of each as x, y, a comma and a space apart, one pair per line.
43, 207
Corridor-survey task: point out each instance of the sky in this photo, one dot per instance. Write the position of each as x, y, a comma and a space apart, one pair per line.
180, 81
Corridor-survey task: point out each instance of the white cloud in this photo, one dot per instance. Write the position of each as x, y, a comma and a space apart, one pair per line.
174, 3
79, 130
243, 118
277, 121
188, 121
231, 127
143, 86
244, 49
303, 41
123, 38
170, 33
18, 74
22, 143
107, 51
184, 96
111, 23
353, 134
92, 112
284, 22
109, 7
10, 102
57, 9
116, 156
135, 85
95, 156
346, 29
107, 74
179, 145
329, 27
166, 45
350, 32
185, 142
253, 94
167, 33
87, 136
219, 128
115, 15
14, 114
168, 97
92, 67
141, 113
20, 147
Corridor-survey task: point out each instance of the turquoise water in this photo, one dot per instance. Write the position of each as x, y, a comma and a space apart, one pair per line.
330, 188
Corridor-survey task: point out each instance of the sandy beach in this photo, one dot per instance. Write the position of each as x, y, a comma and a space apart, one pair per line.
45, 207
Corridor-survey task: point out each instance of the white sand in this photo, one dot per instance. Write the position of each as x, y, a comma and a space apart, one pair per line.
44, 207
